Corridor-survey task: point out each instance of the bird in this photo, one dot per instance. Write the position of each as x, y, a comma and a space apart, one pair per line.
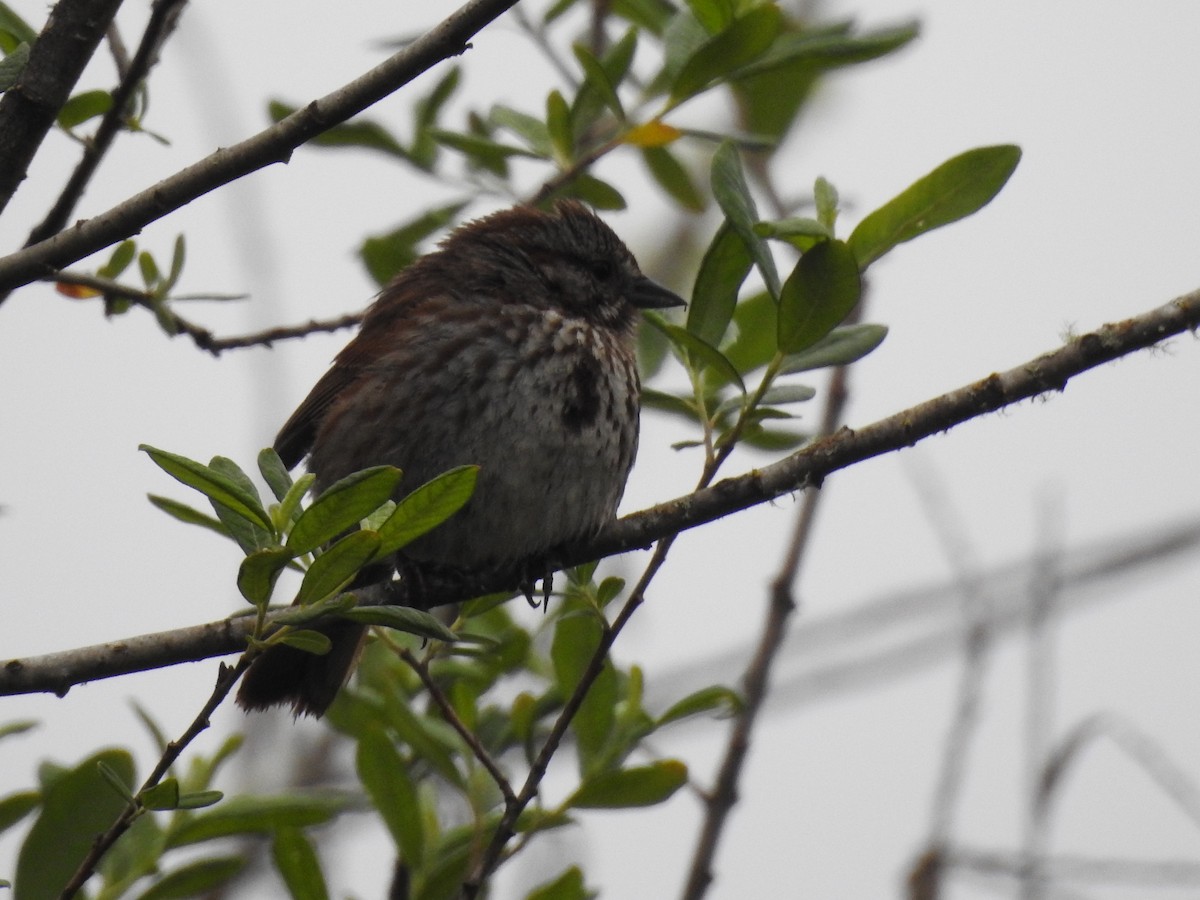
511, 347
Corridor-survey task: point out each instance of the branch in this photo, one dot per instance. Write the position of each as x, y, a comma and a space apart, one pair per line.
56, 60
227, 677
719, 802
272, 145
201, 336
57, 672
163, 16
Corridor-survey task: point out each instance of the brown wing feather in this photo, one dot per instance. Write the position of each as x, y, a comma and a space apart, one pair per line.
296, 436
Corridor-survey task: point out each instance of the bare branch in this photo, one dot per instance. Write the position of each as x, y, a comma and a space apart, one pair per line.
808, 467
272, 145
721, 799
201, 336
163, 16
56, 60
227, 677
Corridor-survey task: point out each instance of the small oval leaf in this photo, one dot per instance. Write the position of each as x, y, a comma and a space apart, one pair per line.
955, 189
627, 788
341, 506
821, 291
334, 568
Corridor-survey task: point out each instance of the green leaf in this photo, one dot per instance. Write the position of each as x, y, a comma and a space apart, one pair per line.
203, 877
14, 25
802, 233
730, 189
121, 257
826, 197
576, 638
747, 38
191, 516
652, 15
259, 571
387, 254
723, 269
714, 15
82, 107
302, 615
698, 353
673, 178
597, 79
289, 506
755, 322
840, 347
148, 269
783, 394
13, 65
178, 257
558, 125
200, 799
164, 795
627, 788
77, 806
821, 291
250, 813
594, 192
531, 130
815, 50
423, 151
429, 107
954, 190
135, 855
384, 774
274, 472
486, 152
10, 729
116, 782
401, 618
669, 403
567, 886
341, 506
334, 569
313, 642
249, 535
716, 698
297, 863
214, 485
427, 507
16, 807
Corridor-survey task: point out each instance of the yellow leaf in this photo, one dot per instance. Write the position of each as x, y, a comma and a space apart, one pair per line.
75, 291
653, 134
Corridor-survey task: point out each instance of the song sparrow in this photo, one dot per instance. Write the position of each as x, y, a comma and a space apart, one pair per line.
511, 348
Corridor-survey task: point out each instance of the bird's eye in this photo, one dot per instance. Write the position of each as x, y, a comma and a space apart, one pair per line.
603, 269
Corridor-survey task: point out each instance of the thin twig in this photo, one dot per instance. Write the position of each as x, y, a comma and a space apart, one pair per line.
451, 717
201, 336
116, 46
1040, 688
227, 676
808, 466
721, 799
506, 828
57, 58
272, 145
163, 16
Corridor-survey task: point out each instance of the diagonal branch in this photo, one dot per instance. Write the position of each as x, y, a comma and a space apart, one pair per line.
163, 16
56, 60
809, 466
272, 145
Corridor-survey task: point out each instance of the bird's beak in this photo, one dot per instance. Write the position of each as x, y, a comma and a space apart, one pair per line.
647, 294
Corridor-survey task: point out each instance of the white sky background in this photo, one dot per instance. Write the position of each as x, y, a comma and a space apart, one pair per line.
1101, 221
